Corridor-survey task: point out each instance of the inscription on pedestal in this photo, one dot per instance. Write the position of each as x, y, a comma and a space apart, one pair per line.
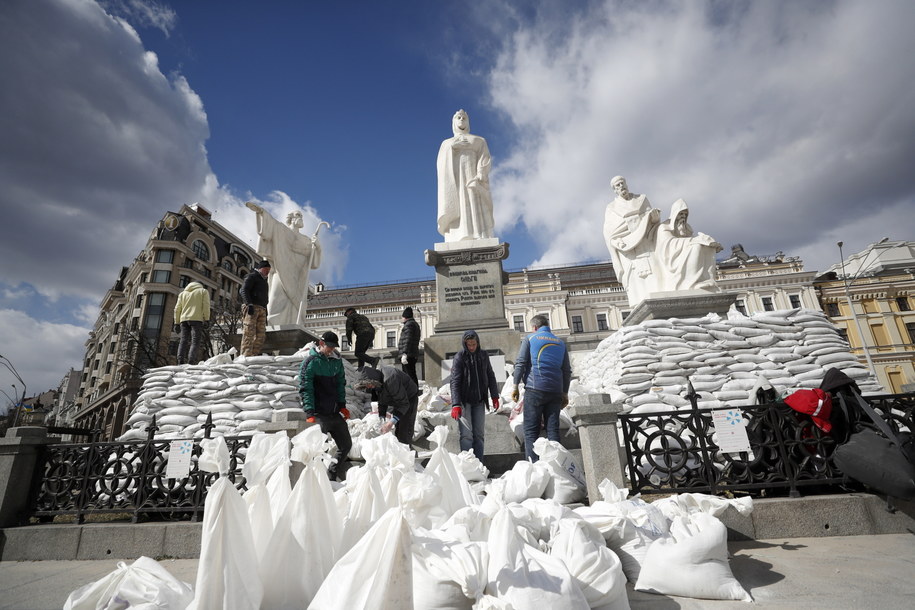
468, 287
471, 290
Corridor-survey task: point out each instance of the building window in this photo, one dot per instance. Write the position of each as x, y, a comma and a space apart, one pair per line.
741, 306
602, 322
227, 265
95, 365
154, 311
207, 272
108, 368
625, 314
165, 256
392, 338
184, 281
139, 301
902, 303
832, 310
160, 276
577, 326
200, 250
117, 327
910, 327
795, 300
767, 304
518, 323
188, 263
843, 332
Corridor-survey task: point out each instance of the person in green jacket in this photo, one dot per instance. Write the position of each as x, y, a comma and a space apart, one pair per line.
192, 312
322, 386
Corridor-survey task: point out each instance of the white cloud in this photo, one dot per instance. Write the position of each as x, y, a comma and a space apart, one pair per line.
40, 351
146, 13
778, 122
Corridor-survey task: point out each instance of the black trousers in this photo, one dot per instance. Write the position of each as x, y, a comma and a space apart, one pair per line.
410, 369
363, 343
336, 426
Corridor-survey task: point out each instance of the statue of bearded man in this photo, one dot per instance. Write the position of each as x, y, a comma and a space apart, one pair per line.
464, 201
293, 254
630, 228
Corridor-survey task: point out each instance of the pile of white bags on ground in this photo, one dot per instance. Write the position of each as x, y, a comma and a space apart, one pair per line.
647, 366
395, 535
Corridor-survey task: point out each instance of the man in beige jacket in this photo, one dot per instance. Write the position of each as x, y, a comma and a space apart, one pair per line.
191, 312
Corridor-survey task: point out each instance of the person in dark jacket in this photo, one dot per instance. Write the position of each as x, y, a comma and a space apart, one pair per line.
322, 385
472, 382
408, 346
255, 293
543, 365
365, 335
397, 392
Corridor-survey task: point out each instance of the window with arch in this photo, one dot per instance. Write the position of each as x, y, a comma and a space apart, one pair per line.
200, 250
227, 265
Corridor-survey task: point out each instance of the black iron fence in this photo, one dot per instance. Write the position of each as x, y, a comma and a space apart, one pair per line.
677, 452
83, 479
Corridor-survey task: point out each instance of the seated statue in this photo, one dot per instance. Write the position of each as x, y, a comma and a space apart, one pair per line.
685, 259
464, 201
630, 225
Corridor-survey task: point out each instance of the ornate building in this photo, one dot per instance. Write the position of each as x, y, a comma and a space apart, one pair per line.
871, 297
134, 329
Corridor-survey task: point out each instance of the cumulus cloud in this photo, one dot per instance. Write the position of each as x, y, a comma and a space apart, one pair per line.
96, 145
40, 351
784, 125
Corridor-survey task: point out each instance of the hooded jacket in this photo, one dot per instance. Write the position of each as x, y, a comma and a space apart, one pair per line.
322, 383
193, 304
472, 377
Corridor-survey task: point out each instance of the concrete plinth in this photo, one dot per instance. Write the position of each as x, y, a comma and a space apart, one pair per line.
602, 457
684, 304
19, 452
282, 340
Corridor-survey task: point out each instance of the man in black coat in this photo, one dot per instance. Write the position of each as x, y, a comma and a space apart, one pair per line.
472, 382
395, 392
408, 346
255, 293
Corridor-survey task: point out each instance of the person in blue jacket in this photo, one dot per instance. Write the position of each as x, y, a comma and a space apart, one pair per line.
543, 365
472, 382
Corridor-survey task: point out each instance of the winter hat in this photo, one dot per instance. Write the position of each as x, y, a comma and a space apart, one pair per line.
348, 309
330, 338
408, 312
816, 403
262, 264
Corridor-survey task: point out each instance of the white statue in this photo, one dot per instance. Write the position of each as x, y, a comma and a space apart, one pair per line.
292, 255
630, 224
685, 259
464, 202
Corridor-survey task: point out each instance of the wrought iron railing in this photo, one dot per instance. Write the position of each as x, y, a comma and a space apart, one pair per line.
82, 479
675, 452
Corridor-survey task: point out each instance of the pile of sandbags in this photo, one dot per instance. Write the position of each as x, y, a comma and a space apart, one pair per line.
647, 366
240, 396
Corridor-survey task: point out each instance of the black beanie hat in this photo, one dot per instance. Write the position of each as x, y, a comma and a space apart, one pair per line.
408, 312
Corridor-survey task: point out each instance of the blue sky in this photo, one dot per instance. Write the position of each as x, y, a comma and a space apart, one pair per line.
784, 125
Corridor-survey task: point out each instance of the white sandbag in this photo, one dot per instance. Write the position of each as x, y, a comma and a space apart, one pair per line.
366, 505
524, 576
525, 480
225, 578
447, 574
567, 480
176, 420
693, 562
680, 505
376, 574
143, 584
470, 466
594, 567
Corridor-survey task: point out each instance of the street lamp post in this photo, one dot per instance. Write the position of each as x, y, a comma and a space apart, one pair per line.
12, 369
851, 307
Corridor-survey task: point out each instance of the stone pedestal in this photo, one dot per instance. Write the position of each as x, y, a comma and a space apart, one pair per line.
683, 304
283, 340
468, 287
602, 456
19, 452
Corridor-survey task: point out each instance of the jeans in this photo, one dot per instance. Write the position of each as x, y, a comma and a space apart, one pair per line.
540, 406
191, 333
472, 425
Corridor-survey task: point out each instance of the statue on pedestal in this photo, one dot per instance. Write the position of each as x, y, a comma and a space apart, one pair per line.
464, 201
653, 257
630, 225
293, 255
686, 259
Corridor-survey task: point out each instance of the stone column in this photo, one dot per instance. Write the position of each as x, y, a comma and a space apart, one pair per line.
596, 419
19, 453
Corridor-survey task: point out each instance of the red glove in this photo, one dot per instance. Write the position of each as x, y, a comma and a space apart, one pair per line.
495, 404
344, 412
455, 413
311, 419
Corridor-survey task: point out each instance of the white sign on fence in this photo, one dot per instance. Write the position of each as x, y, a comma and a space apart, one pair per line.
179, 459
731, 429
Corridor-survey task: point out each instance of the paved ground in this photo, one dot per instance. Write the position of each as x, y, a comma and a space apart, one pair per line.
840, 572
